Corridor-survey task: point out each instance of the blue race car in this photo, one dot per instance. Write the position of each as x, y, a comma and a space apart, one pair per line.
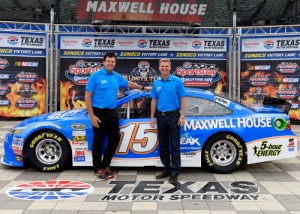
218, 133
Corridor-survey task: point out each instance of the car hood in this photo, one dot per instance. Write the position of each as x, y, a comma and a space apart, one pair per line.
54, 116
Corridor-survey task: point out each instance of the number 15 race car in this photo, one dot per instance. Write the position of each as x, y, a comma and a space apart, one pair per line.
218, 133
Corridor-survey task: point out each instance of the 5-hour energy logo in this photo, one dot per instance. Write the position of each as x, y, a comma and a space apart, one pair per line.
267, 149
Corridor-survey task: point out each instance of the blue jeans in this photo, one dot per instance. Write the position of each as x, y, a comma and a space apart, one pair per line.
169, 141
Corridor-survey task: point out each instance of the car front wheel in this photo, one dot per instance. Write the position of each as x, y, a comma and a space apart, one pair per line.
49, 151
223, 153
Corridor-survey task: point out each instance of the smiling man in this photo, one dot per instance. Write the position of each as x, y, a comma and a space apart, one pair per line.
100, 98
168, 97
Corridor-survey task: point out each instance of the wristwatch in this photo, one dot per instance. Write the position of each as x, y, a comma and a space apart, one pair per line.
143, 88
182, 116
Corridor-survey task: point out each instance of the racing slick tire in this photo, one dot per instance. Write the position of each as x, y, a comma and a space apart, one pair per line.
223, 153
49, 151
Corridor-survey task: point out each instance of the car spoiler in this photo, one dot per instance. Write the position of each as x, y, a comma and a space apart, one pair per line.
277, 103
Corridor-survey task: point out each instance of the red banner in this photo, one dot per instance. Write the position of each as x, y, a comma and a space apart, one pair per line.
191, 11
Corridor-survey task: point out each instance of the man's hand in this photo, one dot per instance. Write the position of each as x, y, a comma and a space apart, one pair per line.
152, 122
148, 88
95, 121
181, 121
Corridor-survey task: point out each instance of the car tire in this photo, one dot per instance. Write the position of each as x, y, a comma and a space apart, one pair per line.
223, 153
49, 151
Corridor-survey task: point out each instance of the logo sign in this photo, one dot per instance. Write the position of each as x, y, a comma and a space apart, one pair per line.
3, 64
12, 40
287, 80
4, 90
26, 77
159, 43
287, 93
26, 103
269, 44
26, 64
32, 41
81, 71
259, 67
256, 104
78, 126
79, 156
143, 73
196, 11
197, 44
199, 75
104, 43
4, 76
182, 191
258, 94
87, 43
288, 43
142, 43
259, 80
26, 90
50, 190
287, 67
4, 102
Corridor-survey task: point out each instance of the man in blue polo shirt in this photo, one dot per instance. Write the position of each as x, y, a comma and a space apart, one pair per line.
100, 98
168, 97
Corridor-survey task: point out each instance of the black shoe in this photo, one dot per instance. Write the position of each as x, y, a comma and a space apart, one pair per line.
173, 179
164, 174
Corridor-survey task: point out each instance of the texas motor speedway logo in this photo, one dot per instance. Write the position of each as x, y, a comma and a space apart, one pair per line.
184, 190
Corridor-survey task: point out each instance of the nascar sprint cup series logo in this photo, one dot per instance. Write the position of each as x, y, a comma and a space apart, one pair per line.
81, 71
198, 75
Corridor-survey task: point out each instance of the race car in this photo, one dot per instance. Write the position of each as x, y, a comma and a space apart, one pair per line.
219, 133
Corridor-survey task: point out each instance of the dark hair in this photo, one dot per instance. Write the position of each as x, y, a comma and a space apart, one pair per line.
109, 54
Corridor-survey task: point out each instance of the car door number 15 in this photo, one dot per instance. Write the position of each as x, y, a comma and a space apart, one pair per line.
140, 138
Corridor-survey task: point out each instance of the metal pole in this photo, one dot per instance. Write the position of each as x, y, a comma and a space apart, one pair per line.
51, 54
234, 29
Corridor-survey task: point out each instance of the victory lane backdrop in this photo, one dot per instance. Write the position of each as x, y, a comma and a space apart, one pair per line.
22, 75
75, 73
274, 78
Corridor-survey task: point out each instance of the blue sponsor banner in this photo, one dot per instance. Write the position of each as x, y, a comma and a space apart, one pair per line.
144, 54
270, 55
22, 52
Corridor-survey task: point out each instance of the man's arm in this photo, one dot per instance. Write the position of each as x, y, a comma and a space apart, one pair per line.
137, 86
183, 110
88, 101
153, 109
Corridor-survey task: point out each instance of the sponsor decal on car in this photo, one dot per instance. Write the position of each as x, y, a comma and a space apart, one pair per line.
79, 156
228, 123
267, 149
78, 126
222, 101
